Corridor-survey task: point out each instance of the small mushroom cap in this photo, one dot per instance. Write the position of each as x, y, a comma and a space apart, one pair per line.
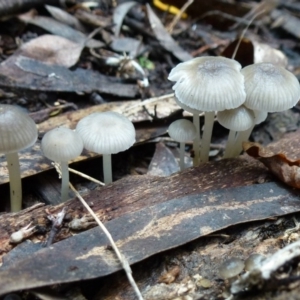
237, 119
231, 268
270, 88
253, 261
62, 144
106, 132
17, 130
182, 130
259, 116
209, 83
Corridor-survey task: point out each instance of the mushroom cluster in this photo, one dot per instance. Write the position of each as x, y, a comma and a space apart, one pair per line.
241, 98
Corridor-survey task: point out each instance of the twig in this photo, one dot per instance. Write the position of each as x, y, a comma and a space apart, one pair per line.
134, 108
86, 176
120, 256
58, 170
178, 16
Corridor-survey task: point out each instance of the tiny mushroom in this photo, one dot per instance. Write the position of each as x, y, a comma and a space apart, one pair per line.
182, 131
106, 133
231, 268
236, 120
17, 132
61, 145
254, 261
196, 121
209, 84
242, 136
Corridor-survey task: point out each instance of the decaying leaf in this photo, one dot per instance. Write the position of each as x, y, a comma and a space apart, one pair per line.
64, 17
281, 158
120, 13
165, 38
52, 49
60, 29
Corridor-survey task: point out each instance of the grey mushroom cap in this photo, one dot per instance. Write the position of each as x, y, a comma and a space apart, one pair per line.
17, 130
231, 268
254, 261
237, 119
270, 88
61, 144
182, 130
106, 132
209, 83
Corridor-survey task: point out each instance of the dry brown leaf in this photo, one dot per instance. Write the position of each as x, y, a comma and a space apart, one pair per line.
53, 50
279, 158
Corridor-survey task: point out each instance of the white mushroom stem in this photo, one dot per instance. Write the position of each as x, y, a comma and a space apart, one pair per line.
181, 156
196, 142
14, 181
64, 181
206, 136
107, 172
230, 146
242, 136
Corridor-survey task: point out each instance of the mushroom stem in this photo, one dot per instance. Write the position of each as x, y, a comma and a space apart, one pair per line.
107, 173
181, 156
230, 146
242, 136
196, 142
64, 181
206, 136
14, 181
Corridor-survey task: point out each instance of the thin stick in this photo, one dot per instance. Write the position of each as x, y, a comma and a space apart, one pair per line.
179, 15
86, 176
120, 256
134, 108
244, 32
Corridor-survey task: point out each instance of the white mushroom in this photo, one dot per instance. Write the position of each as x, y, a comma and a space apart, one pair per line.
17, 132
236, 120
182, 131
106, 133
197, 139
61, 145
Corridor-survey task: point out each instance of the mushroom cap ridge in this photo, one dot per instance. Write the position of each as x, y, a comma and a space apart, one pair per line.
17, 130
106, 132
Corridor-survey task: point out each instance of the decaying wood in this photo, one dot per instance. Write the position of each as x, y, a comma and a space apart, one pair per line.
136, 192
146, 232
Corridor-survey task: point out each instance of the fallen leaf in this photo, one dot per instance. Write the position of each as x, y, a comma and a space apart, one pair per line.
51, 49
60, 29
281, 158
165, 38
119, 14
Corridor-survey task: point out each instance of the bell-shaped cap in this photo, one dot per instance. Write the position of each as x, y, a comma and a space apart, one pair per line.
270, 88
231, 268
182, 130
106, 132
61, 144
237, 119
17, 130
209, 83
